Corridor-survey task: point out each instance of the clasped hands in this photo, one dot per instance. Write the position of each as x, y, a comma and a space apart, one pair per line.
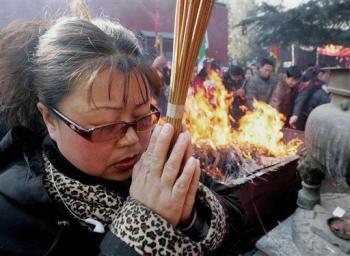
166, 182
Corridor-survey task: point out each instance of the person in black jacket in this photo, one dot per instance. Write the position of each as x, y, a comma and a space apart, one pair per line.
233, 81
311, 94
84, 168
284, 94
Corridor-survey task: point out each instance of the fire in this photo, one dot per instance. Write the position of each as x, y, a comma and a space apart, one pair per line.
207, 115
260, 131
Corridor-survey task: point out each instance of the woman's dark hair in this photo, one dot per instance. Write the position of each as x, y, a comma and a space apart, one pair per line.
74, 51
71, 53
18, 96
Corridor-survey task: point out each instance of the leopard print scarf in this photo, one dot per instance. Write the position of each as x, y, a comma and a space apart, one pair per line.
84, 201
128, 219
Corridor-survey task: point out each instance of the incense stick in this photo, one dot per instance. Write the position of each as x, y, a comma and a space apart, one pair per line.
191, 20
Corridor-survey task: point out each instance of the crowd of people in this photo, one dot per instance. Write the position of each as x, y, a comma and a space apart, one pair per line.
293, 92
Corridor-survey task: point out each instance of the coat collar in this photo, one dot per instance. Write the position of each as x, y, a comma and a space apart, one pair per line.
21, 168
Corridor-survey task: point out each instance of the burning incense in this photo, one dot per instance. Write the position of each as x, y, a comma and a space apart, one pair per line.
191, 20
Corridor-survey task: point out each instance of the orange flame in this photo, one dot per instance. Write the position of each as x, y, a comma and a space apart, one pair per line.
262, 129
209, 123
207, 117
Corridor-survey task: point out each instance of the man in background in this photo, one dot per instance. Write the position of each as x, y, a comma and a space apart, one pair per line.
233, 81
262, 84
285, 92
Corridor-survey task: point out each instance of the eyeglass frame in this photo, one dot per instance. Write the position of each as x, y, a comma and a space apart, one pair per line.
87, 133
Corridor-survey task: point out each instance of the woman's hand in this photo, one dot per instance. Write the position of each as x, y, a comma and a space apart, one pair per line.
167, 185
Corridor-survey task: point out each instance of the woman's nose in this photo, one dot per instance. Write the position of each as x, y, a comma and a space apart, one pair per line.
130, 137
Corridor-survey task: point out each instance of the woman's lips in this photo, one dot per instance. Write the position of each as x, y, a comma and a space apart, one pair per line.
127, 163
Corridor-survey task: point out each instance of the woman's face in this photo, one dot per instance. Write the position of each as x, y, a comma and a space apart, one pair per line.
112, 160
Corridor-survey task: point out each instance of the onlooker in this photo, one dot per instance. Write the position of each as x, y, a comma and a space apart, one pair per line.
215, 67
160, 64
233, 81
311, 94
248, 73
198, 82
254, 69
285, 92
261, 85
203, 82
191, 90
233, 78
310, 73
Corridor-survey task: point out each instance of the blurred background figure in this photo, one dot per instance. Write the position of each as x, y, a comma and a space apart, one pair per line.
234, 81
198, 82
254, 69
161, 65
248, 73
285, 92
202, 80
262, 84
312, 93
193, 77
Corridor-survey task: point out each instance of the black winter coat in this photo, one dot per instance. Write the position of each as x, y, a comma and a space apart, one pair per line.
32, 224
309, 97
232, 86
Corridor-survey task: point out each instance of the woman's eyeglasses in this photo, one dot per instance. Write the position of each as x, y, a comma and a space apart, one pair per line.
113, 131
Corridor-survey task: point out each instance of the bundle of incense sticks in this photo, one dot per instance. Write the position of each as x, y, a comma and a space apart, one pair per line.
191, 21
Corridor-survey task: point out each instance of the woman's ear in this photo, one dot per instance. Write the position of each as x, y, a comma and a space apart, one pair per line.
50, 122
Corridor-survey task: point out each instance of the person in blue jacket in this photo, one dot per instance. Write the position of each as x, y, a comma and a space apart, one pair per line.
84, 168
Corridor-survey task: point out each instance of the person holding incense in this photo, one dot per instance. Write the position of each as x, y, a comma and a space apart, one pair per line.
84, 168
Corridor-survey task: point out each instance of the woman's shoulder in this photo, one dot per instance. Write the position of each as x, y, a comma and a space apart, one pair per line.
20, 168
19, 137
14, 146
23, 198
